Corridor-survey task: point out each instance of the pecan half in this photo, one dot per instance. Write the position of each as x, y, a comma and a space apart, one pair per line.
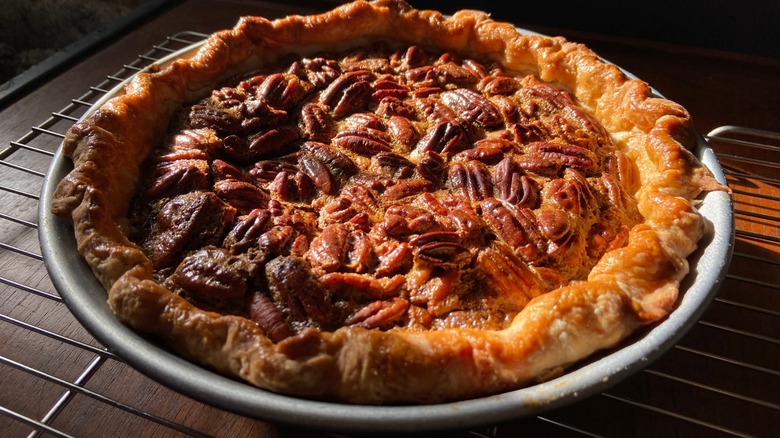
613, 192
511, 279
202, 116
301, 219
363, 120
544, 97
470, 180
392, 106
556, 227
538, 165
560, 117
265, 314
379, 314
265, 171
376, 182
447, 137
397, 260
467, 223
289, 186
275, 242
283, 90
338, 163
536, 246
178, 154
247, 231
411, 57
362, 197
272, 140
445, 254
515, 227
223, 170
214, 274
329, 249
258, 114
364, 141
186, 222
514, 187
572, 193
341, 210
451, 73
170, 178
508, 109
434, 236
473, 107
406, 188
243, 196
504, 85
321, 71
403, 131
476, 68
385, 87
420, 74
348, 93
394, 165
528, 130
566, 155
361, 286
318, 173
297, 292
501, 221
485, 155
402, 220
433, 204
360, 256
315, 123
618, 164
499, 143
205, 139
435, 110
228, 97
365, 60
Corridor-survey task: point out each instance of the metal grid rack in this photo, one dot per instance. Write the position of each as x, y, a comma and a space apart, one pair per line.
730, 359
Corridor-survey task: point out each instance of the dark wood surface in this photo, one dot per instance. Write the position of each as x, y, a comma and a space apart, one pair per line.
718, 88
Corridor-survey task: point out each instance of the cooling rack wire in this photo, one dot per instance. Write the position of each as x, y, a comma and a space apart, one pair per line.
56, 380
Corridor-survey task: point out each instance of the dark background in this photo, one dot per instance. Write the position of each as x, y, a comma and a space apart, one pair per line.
34, 31
745, 26
39, 36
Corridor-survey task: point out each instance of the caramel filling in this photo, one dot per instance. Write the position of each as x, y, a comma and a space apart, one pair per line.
384, 189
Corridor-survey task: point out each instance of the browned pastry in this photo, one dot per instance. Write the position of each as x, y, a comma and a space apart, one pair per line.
383, 205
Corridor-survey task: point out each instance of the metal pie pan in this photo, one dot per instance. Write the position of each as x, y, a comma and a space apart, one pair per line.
86, 298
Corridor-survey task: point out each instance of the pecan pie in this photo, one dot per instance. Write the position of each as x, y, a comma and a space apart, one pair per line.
385, 205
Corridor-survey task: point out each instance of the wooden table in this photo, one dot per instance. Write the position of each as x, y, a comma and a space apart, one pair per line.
723, 377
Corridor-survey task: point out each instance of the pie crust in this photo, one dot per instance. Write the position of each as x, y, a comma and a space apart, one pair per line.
630, 286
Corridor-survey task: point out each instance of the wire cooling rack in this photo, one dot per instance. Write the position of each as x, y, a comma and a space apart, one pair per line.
723, 378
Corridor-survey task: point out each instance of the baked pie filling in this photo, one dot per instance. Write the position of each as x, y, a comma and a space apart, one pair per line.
385, 205
381, 189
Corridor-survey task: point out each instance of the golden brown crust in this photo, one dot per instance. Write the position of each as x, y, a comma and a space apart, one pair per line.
631, 286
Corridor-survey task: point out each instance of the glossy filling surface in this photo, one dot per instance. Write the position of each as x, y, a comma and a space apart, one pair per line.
382, 188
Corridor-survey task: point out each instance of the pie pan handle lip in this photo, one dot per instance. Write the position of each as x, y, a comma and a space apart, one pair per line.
86, 299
